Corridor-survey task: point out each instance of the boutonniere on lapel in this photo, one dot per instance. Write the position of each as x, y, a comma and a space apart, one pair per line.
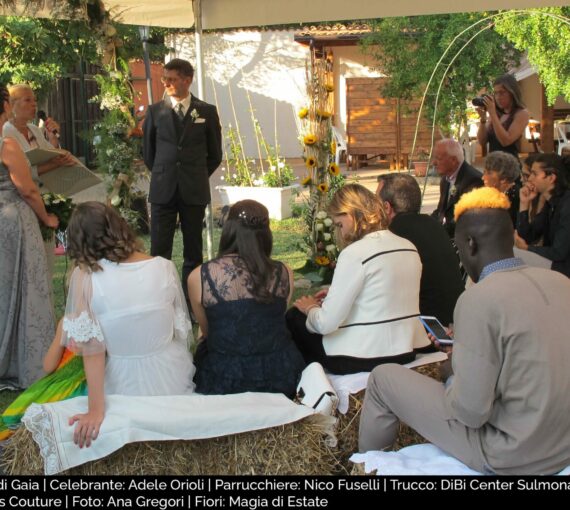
453, 191
194, 115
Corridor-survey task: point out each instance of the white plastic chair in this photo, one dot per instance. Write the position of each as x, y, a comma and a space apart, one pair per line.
340, 144
562, 134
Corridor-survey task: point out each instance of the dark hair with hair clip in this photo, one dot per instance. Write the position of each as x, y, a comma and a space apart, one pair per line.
246, 233
97, 231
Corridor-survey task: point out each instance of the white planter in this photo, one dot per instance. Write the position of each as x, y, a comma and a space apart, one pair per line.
277, 200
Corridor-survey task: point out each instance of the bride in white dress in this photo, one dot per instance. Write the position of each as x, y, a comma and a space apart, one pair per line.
126, 315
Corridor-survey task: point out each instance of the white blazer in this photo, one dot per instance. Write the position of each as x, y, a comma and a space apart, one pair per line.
372, 308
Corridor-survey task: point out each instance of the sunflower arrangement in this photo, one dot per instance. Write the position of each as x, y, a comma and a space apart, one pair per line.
323, 175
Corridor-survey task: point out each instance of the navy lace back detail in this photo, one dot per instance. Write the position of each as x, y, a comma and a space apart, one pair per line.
249, 347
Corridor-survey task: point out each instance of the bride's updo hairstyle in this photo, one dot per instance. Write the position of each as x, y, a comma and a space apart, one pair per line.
97, 231
246, 233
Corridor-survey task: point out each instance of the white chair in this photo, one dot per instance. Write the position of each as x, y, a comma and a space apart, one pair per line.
562, 135
340, 144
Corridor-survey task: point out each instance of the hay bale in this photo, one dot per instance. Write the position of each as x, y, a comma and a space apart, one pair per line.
300, 448
347, 429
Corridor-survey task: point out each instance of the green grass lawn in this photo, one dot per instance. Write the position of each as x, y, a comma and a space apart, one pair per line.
287, 247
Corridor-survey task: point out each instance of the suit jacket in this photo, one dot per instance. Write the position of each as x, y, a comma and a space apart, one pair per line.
181, 154
441, 282
468, 178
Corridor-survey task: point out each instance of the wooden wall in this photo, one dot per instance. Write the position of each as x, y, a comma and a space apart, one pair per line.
381, 126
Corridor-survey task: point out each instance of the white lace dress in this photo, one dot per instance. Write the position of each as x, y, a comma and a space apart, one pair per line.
137, 313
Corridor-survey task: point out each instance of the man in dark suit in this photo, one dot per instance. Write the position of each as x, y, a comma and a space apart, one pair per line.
441, 282
457, 177
182, 148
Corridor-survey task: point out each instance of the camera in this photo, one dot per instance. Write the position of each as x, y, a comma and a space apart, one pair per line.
479, 101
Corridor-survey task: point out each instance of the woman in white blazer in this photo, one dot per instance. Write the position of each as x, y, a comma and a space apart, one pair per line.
370, 313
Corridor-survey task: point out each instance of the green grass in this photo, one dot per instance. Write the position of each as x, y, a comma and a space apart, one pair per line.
287, 247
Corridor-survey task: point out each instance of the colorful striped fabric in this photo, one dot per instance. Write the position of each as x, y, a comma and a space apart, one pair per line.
67, 381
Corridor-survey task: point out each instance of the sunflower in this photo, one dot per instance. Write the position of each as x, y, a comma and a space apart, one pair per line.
323, 187
309, 139
329, 87
303, 112
311, 162
323, 114
334, 169
307, 181
322, 261
333, 147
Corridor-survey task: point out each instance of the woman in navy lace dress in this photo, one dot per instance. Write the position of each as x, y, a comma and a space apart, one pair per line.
239, 300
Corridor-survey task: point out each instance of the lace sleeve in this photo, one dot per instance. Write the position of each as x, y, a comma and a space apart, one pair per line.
82, 333
182, 324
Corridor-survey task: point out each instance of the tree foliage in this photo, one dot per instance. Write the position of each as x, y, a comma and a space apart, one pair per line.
407, 49
547, 42
38, 51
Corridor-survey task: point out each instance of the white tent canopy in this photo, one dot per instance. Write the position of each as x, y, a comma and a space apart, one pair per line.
249, 13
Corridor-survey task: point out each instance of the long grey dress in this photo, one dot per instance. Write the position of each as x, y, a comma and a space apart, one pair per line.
26, 310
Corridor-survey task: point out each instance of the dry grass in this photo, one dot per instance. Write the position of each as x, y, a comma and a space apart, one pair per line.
300, 448
347, 432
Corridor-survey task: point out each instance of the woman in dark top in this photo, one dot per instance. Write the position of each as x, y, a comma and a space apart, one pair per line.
239, 300
506, 115
502, 171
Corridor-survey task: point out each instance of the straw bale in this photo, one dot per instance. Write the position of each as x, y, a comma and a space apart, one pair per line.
347, 431
300, 448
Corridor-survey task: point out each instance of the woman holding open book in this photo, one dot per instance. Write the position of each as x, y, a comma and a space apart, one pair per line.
29, 136
26, 311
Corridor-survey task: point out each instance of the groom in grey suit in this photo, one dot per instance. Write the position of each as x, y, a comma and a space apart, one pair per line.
182, 148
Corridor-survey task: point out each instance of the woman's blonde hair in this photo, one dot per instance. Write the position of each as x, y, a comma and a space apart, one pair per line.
363, 206
16, 91
97, 231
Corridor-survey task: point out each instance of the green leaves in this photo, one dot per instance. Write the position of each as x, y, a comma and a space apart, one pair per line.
546, 38
408, 49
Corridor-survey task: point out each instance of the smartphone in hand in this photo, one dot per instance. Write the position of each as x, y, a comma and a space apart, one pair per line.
436, 328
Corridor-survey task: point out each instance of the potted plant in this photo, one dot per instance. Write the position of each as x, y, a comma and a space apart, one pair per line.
421, 162
271, 185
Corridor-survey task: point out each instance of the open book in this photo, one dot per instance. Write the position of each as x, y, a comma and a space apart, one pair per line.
65, 180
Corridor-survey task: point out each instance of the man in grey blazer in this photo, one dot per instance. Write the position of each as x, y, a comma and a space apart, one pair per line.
182, 148
506, 410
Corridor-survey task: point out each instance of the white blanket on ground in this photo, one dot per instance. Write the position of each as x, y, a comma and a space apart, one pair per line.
419, 459
129, 419
346, 385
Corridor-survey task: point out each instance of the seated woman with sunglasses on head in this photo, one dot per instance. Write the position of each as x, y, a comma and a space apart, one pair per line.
370, 314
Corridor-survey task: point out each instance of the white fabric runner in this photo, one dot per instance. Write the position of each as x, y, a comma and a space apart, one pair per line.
346, 385
419, 459
129, 419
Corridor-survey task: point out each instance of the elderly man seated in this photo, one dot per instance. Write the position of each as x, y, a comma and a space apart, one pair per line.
507, 408
457, 177
441, 282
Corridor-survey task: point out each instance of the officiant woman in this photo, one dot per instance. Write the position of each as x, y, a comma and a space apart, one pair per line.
26, 311
30, 136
